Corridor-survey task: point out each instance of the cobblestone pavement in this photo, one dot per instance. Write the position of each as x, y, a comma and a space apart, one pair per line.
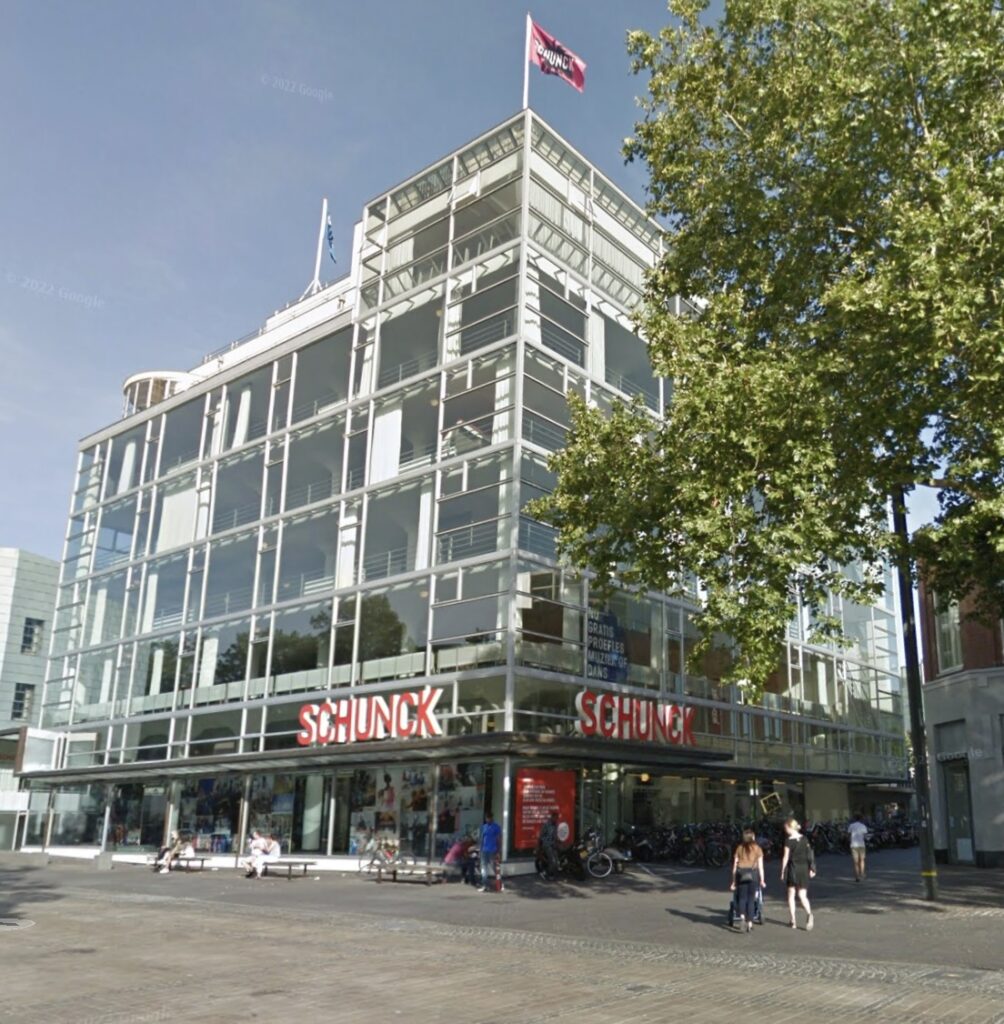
130, 946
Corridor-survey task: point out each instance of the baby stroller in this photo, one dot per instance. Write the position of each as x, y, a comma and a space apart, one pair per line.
757, 908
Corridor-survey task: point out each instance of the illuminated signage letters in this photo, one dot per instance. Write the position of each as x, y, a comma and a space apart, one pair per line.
613, 716
355, 719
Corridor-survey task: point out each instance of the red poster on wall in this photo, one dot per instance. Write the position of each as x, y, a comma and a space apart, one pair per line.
538, 792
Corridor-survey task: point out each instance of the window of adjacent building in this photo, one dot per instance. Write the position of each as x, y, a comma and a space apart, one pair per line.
31, 637
948, 634
24, 696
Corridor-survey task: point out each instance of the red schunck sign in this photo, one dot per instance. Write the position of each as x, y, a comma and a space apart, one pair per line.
356, 719
616, 717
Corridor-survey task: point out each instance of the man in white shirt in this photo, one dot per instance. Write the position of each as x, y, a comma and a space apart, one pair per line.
857, 831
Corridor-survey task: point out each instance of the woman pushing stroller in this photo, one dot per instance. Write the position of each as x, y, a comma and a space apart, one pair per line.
747, 878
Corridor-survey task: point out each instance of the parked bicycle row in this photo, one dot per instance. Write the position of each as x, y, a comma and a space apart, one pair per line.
711, 843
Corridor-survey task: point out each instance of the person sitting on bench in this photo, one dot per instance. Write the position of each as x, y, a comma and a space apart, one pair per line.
178, 847
256, 847
263, 851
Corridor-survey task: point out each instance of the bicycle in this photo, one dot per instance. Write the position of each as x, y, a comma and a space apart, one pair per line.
599, 863
383, 855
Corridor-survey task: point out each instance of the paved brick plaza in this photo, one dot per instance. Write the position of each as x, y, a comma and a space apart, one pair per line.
130, 946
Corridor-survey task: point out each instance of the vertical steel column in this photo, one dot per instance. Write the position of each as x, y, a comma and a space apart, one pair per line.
914, 691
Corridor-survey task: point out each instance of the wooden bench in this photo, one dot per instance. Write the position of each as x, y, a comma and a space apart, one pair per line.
427, 873
288, 863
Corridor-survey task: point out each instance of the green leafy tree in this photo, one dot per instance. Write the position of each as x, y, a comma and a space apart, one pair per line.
831, 177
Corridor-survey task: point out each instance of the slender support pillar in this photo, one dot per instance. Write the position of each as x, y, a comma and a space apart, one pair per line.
914, 692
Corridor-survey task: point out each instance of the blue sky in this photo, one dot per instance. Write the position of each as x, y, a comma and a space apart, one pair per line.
160, 189
159, 192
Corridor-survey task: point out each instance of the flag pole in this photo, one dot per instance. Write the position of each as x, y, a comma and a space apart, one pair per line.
526, 64
315, 284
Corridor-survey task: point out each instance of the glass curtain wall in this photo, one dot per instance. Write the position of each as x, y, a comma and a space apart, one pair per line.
342, 513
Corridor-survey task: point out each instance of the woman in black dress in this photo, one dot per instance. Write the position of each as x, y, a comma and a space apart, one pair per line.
798, 865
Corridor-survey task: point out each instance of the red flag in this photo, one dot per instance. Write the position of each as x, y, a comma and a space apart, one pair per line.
554, 59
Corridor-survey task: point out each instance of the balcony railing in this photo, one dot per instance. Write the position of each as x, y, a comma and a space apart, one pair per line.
409, 368
543, 432
386, 563
537, 538
557, 339
629, 387
477, 539
487, 331
421, 455
307, 494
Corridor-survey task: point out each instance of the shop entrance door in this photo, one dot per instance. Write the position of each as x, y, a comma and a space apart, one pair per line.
958, 811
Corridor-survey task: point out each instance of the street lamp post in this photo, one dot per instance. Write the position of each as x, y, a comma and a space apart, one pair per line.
918, 737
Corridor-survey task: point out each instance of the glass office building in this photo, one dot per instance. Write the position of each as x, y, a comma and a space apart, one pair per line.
300, 592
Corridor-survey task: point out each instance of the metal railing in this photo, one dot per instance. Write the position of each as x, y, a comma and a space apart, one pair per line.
537, 538
409, 368
423, 455
237, 600
486, 332
228, 518
307, 494
629, 387
557, 339
543, 432
477, 539
386, 563
305, 410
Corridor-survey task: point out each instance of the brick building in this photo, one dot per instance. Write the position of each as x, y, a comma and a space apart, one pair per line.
964, 709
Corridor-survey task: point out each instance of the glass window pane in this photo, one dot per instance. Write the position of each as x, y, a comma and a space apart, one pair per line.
115, 534
307, 560
238, 490
105, 608
398, 526
322, 375
301, 645
231, 575
409, 337
223, 658
174, 513
125, 460
247, 407
392, 631
181, 435
164, 592
314, 463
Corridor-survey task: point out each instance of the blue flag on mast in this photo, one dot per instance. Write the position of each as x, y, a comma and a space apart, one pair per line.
330, 234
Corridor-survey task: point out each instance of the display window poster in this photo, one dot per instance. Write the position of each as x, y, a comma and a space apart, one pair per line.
538, 792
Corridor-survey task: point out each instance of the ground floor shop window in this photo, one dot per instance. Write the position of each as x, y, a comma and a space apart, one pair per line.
293, 808
209, 810
136, 816
78, 816
404, 806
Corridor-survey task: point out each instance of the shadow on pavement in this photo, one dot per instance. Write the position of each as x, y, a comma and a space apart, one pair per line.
22, 886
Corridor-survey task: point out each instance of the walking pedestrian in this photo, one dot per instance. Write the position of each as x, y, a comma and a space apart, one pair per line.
858, 831
798, 865
490, 848
747, 878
